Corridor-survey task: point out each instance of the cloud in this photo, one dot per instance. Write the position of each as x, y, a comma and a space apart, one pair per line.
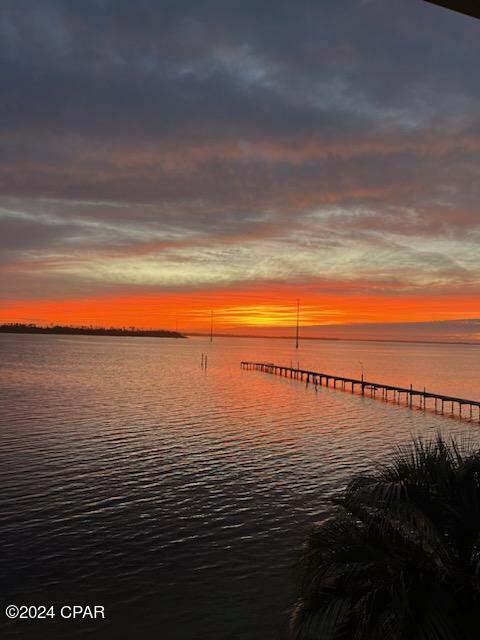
152, 144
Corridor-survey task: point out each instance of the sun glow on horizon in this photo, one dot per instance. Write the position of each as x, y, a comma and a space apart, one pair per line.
271, 315
271, 310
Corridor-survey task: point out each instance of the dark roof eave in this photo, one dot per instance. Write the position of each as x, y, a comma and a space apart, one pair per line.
468, 7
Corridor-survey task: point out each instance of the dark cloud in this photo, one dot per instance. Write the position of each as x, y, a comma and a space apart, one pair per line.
25, 234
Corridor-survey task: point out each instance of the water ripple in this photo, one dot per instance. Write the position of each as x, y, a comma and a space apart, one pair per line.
179, 497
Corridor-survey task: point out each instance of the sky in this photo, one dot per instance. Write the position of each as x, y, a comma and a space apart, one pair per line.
161, 159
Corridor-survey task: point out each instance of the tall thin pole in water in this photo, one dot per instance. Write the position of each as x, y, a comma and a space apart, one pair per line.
211, 326
298, 319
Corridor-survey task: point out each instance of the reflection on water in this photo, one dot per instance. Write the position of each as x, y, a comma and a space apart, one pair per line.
176, 496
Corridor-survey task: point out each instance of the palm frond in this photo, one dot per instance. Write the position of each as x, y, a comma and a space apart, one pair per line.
399, 556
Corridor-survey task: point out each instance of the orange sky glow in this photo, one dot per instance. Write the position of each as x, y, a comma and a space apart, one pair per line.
239, 312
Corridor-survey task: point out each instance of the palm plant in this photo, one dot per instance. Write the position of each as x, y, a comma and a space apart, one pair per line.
399, 558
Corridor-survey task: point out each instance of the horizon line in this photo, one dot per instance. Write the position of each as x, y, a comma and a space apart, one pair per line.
331, 339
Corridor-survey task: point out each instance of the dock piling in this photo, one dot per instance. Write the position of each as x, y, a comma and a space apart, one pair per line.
323, 379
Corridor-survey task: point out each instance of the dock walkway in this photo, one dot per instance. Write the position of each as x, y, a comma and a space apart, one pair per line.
364, 386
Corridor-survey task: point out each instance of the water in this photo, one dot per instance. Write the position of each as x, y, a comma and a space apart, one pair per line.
178, 497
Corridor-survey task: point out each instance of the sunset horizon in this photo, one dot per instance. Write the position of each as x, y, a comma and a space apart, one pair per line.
240, 319
228, 182
255, 312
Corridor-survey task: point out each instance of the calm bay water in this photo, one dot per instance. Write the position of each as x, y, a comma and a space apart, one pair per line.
178, 497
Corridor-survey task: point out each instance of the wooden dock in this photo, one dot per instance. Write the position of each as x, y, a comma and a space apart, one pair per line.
438, 402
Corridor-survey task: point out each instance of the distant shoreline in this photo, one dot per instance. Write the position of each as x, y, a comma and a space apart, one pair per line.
335, 339
18, 328
89, 331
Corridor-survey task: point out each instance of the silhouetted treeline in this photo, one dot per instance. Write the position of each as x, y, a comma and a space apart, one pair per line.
89, 331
